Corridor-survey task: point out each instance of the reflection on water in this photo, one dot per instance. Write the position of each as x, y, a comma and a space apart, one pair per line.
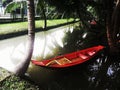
12, 51
47, 44
97, 74
100, 73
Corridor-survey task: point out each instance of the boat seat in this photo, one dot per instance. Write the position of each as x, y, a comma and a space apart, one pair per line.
51, 62
83, 56
63, 61
91, 53
60, 61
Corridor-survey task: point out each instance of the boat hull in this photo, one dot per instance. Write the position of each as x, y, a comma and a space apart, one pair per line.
70, 59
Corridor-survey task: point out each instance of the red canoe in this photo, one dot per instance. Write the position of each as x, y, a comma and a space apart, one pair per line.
70, 59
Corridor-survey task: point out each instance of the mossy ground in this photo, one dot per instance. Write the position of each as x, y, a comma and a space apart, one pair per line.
9, 81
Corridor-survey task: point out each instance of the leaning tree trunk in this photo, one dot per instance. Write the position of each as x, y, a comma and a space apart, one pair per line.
112, 24
116, 22
23, 66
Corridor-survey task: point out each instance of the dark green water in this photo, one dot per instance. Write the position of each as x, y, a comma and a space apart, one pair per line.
100, 73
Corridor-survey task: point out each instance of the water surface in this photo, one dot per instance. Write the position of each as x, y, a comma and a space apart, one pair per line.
100, 73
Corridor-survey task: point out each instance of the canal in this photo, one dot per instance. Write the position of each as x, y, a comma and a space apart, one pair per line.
100, 73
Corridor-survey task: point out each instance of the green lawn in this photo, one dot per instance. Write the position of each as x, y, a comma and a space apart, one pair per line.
21, 26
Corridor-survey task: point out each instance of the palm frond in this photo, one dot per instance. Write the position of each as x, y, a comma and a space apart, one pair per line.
14, 5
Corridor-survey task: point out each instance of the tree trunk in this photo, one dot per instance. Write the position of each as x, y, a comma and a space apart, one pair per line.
43, 8
112, 25
23, 66
116, 22
45, 18
22, 11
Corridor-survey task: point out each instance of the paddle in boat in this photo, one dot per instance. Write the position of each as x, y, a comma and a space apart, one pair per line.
70, 59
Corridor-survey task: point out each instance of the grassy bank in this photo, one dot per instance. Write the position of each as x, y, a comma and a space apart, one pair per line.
22, 26
9, 81
16, 83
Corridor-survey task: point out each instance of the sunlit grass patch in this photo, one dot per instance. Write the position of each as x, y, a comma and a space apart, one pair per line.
22, 26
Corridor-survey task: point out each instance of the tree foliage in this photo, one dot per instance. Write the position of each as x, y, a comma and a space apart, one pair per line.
105, 12
12, 6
